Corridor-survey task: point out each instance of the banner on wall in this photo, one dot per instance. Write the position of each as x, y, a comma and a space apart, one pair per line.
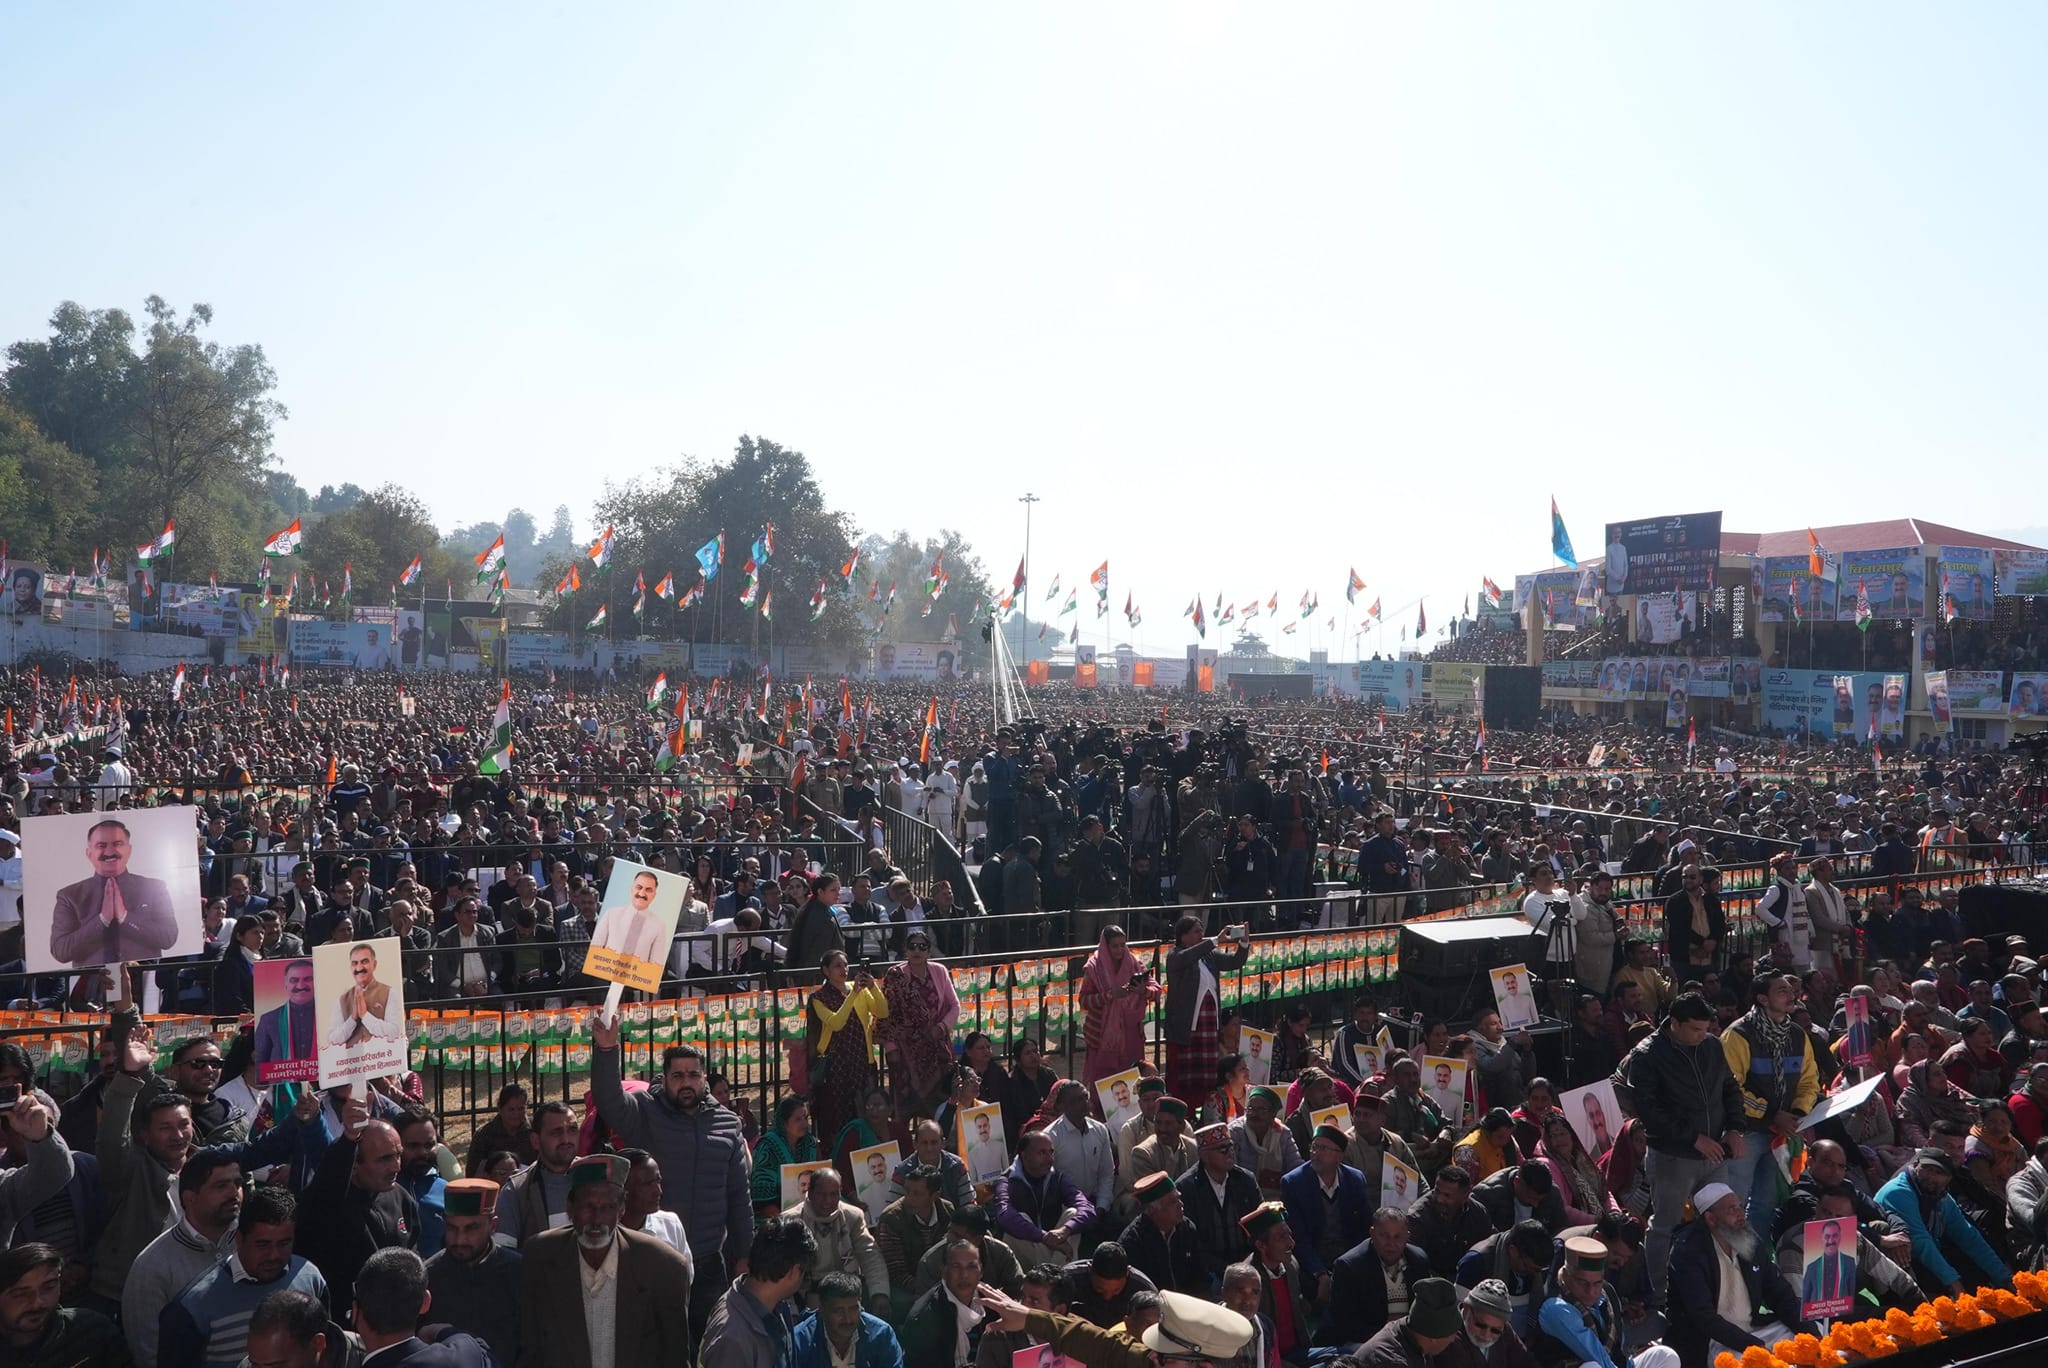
936, 661
1394, 683
1967, 575
1676, 706
1786, 578
2022, 574
1451, 683
1895, 579
2029, 696
1556, 592
1891, 717
351, 645
1571, 674
1658, 555
1824, 705
1976, 691
1662, 619
1710, 677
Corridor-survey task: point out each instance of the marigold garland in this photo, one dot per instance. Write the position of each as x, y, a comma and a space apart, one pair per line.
1851, 1342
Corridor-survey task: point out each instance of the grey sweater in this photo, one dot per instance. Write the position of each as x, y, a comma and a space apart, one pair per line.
703, 1158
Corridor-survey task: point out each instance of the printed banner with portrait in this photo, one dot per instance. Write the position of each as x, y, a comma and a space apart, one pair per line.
1976, 691
1895, 579
1937, 700
874, 1177
1118, 1096
359, 995
1595, 1115
2029, 696
983, 1145
2021, 573
637, 926
1658, 555
1514, 995
1967, 576
1789, 579
1827, 1282
287, 1022
106, 888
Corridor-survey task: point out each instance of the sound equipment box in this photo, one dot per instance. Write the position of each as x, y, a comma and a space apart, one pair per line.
1444, 964
2003, 909
1514, 696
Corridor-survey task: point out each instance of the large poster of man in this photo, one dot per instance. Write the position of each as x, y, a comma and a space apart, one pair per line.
2021, 573
1895, 579
637, 926
1789, 580
1965, 574
2029, 696
287, 1022
1514, 996
103, 888
358, 989
983, 1145
1937, 700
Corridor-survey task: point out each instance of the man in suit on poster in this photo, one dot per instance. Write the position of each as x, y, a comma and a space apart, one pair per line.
287, 1033
113, 917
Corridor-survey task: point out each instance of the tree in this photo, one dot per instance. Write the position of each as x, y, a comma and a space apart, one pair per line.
332, 500
46, 492
377, 536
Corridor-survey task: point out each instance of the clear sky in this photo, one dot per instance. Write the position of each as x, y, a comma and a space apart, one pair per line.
1248, 295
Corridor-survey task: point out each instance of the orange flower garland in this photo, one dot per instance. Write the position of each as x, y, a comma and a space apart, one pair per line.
1851, 1342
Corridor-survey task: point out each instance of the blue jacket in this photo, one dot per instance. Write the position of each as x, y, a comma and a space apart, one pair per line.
1302, 1192
874, 1347
1902, 1199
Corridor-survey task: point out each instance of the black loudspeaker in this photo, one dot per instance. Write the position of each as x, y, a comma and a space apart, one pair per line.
2012, 909
1514, 696
1466, 946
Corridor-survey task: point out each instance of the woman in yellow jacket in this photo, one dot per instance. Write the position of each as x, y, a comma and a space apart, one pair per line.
839, 1037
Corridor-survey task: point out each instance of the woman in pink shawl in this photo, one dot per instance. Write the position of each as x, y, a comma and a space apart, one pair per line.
918, 1032
1115, 986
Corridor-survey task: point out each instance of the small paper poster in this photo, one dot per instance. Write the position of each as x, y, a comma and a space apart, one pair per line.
1370, 1060
984, 1147
1258, 1054
1444, 1080
359, 998
1338, 1116
1514, 995
1042, 1356
1118, 1094
287, 1022
631, 942
1399, 1184
1856, 1040
874, 1177
1595, 1115
796, 1182
1827, 1282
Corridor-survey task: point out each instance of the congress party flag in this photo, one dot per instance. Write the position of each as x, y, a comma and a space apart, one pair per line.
1351, 589
412, 572
286, 543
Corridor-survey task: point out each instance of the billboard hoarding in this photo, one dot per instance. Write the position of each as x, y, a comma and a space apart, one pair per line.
1654, 555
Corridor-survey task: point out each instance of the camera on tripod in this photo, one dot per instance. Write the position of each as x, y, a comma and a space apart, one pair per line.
2034, 746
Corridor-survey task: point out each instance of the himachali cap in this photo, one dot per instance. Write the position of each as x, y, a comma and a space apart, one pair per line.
470, 1197
1266, 1215
1262, 1090
1173, 1106
1148, 1086
1586, 1255
1331, 1133
599, 1168
1152, 1187
1215, 1136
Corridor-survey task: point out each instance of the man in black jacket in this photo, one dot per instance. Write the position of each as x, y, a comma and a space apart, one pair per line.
1691, 1109
363, 1207
1218, 1235
1522, 1188
1161, 1240
1363, 1278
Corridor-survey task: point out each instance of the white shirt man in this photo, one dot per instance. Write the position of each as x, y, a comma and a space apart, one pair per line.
1085, 1152
633, 930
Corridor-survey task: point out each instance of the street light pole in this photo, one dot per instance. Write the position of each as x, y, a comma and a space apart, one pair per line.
1024, 594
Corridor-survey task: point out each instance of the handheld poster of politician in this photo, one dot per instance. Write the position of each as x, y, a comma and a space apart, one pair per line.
359, 1000
636, 927
110, 888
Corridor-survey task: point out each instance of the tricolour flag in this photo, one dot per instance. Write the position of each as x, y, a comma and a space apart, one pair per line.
348, 581
167, 538
1560, 540
570, 582
768, 605
1421, 621
497, 758
1820, 563
657, 689
1351, 589
665, 588
818, 601
178, 684
601, 549
1201, 626
1073, 600
852, 564
1491, 591
1862, 607
1054, 591
286, 543
486, 564
412, 572
596, 619
1017, 580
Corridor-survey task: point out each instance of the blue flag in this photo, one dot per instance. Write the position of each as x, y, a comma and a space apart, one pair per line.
710, 554
1560, 540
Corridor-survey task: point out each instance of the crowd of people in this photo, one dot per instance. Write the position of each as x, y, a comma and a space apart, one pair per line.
174, 1211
